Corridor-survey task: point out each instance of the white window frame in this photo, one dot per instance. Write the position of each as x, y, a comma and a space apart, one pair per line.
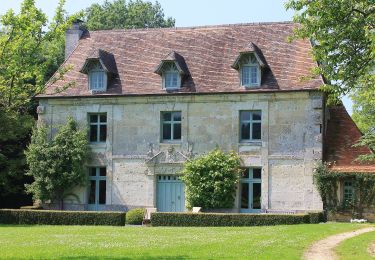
98, 69
171, 70
249, 63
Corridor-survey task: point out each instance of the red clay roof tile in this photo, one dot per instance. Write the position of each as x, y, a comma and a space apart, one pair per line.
208, 52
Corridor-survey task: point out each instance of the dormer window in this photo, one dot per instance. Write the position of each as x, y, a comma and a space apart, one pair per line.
100, 68
249, 63
97, 78
250, 71
173, 70
171, 77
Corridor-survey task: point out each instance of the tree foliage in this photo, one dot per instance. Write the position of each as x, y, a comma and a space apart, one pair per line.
211, 180
344, 41
120, 14
57, 164
327, 183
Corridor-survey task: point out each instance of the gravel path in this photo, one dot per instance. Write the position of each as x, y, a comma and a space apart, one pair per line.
323, 249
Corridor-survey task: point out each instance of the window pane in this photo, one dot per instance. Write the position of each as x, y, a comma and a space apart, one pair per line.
254, 75
256, 131
244, 195
171, 79
103, 118
92, 171
93, 118
245, 72
103, 133
177, 116
97, 80
245, 115
93, 133
167, 116
92, 192
257, 173
256, 195
245, 131
103, 171
102, 191
257, 115
176, 131
167, 132
245, 174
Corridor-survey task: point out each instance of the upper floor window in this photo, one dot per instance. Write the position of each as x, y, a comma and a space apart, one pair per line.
98, 127
97, 78
250, 125
171, 126
171, 77
250, 71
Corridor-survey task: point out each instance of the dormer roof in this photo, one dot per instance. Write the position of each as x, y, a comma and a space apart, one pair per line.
250, 48
106, 60
177, 59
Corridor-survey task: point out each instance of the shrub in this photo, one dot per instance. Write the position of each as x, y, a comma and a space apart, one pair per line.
317, 217
135, 216
54, 217
222, 219
211, 180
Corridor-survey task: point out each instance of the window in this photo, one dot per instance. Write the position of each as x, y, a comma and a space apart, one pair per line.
348, 193
97, 187
250, 72
97, 78
171, 77
171, 126
250, 125
98, 127
251, 190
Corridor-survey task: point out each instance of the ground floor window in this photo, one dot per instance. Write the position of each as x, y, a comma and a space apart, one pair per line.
251, 190
97, 187
348, 193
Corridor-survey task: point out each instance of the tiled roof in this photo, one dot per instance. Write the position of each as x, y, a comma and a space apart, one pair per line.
208, 52
342, 133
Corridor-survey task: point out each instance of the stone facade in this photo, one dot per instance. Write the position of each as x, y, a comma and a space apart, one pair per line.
134, 155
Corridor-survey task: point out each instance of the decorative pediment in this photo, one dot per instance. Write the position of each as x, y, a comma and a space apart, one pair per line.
171, 156
100, 58
176, 60
250, 54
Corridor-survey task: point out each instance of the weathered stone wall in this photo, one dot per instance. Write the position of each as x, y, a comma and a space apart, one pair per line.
291, 142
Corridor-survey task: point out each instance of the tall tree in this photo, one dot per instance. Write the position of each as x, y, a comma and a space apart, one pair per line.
120, 14
31, 49
344, 41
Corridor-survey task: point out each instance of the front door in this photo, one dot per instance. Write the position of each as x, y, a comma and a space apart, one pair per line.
251, 190
97, 188
170, 194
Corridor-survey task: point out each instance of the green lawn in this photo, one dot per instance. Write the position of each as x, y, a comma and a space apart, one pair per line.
356, 247
282, 242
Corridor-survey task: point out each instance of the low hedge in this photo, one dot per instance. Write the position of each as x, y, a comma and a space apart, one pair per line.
55, 217
223, 219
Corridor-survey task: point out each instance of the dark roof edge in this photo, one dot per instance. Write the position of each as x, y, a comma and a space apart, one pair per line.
179, 94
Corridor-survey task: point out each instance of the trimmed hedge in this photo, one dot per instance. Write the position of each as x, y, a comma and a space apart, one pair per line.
223, 219
55, 217
135, 216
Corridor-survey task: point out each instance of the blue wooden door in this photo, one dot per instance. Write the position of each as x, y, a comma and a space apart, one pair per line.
170, 194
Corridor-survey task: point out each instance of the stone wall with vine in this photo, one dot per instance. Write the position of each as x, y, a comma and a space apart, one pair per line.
328, 182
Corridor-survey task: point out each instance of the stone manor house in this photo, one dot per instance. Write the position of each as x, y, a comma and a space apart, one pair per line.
154, 98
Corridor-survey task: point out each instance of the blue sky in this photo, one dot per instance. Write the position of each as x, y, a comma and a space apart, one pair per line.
193, 12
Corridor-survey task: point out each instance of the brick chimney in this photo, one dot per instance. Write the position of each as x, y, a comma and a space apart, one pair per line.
72, 36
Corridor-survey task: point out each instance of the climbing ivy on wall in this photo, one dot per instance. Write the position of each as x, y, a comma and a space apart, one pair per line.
328, 182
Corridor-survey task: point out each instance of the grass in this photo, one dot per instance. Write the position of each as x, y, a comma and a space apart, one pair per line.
98, 242
356, 247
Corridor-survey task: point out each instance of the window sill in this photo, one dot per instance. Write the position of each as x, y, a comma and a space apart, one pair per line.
166, 143
98, 144
251, 143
